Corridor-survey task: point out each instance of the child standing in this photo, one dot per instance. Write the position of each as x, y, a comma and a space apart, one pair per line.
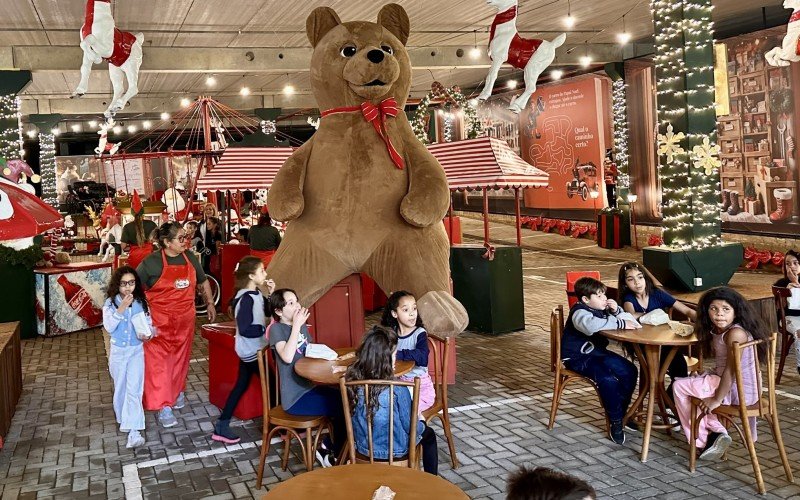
375, 360
640, 296
126, 318
400, 314
289, 337
723, 317
248, 309
587, 353
791, 271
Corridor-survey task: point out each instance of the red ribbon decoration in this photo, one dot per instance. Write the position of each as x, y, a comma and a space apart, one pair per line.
500, 18
377, 116
489, 254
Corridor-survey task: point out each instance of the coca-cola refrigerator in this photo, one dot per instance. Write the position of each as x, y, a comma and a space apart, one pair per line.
70, 297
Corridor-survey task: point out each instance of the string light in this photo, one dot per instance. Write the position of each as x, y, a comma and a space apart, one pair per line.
453, 94
620, 108
686, 108
10, 137
47, 167
31, 133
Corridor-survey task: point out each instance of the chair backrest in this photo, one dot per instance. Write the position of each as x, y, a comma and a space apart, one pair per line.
440, 347
556, 331
736, 354
378, 385
781, 296
572, 277
265, 365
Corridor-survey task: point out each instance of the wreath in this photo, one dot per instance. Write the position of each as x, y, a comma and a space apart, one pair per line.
451, 96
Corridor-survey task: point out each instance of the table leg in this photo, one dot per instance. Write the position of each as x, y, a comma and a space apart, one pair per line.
652, 354
662, 373
643, 385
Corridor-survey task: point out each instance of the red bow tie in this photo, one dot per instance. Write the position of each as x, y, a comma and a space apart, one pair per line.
377, 116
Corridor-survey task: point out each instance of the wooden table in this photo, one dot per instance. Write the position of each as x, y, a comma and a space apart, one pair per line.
359, 481
652, 338
320, 371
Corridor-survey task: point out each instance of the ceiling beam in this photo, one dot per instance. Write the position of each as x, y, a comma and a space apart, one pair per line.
277, 60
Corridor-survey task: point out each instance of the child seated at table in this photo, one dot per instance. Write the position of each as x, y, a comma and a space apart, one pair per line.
639, 296
791, 271
289, 337
585, 351
375, 360
723, 317
542, 483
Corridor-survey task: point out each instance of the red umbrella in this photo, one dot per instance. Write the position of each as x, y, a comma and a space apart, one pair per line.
23, 215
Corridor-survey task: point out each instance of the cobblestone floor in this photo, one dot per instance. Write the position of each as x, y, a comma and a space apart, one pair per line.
64, 443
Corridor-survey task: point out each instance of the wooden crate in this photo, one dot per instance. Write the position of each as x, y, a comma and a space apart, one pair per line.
10, 373
733, 183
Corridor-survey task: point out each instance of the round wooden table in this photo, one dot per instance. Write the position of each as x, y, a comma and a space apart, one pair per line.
348, 482
320, 371
652, 338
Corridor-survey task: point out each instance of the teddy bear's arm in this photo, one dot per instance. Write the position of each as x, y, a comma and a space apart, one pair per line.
286, 193
428, 195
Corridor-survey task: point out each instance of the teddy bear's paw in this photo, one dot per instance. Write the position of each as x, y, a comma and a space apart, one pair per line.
443, 314
286, 209
415, 214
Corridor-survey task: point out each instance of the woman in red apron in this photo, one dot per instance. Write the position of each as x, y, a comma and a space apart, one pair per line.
170, 294
264, 239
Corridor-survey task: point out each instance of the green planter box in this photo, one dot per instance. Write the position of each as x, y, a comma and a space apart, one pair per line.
18, 301
677, 269
490, 290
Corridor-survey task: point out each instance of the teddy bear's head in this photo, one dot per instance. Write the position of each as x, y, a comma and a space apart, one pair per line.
359, 61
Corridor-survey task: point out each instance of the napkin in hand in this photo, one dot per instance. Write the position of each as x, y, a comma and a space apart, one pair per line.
320, 351
655, 317
142, 326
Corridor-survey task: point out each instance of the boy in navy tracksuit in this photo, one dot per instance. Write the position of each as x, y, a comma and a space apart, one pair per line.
586, 352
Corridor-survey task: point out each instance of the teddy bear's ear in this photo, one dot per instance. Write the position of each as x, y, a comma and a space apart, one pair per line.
394, 18
321, 21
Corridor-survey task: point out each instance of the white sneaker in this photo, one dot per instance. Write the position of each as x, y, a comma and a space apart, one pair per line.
166, 418
135, 439
180, 402
716, 449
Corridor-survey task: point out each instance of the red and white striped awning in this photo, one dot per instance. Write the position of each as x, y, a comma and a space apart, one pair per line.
485, 162
244, 169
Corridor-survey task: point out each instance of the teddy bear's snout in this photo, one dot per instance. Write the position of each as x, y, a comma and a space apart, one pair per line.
375, 56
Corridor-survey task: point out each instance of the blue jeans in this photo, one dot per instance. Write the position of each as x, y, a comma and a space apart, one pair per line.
325, 401
614, 375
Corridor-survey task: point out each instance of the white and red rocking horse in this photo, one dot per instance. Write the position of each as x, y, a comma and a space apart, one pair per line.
789, 51
102, 41
505, 45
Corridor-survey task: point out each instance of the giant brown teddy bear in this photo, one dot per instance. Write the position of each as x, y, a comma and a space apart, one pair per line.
354, 206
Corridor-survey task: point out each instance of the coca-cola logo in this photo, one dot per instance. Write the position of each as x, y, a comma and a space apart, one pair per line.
79, 300
180, 284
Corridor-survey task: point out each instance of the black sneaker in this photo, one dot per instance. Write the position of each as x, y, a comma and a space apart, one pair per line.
224, 434
631, 425
716, 446
617, 432
325, 456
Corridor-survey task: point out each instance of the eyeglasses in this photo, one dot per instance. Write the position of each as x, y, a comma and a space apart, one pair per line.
181, 238
127, 283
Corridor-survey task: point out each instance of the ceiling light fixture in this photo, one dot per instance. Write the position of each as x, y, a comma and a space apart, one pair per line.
624, 37
75, 127
164, 116
93, 123
512, 84
475, 53
288, 89
211, 81
146, 124
569, 21
185, 102
245, 91
556, 74
117, 129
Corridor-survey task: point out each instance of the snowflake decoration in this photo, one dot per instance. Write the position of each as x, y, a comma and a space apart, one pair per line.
669, 144
268, 126
705, 156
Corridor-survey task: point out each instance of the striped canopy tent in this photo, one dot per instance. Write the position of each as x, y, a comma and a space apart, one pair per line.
487, 163
244, 169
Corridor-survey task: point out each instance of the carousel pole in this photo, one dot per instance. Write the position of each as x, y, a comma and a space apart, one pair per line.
516, 211
485, 216
450, 220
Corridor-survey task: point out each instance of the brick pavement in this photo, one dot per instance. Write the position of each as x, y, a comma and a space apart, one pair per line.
64, 443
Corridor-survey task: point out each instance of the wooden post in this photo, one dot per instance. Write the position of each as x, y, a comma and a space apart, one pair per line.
450, 219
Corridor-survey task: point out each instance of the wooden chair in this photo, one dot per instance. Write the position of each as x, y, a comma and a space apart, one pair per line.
409, 460
276, 419
765, 408
561, 375
441, 346
781, 296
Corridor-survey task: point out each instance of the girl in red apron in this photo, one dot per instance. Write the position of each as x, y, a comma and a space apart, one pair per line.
171, 300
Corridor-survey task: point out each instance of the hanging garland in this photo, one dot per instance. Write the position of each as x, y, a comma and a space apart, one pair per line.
26, 257
450, 95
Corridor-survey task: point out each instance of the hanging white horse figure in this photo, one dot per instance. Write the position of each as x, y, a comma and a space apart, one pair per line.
101, 40
789, 51
529, 54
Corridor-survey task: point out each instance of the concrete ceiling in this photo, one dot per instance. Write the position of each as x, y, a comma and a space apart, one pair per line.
188, 40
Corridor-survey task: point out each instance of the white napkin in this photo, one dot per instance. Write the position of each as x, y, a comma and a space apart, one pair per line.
655, 317
681, 329
142, 326
383, 493
320, 351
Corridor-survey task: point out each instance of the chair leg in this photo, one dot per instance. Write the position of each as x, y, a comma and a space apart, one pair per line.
693, 437
445, 418
786, 344
557, 389
309, 451
287, 440
262, 459
776, 434
751, 448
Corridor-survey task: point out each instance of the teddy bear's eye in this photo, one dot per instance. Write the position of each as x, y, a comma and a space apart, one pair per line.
387, 49
348, 51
